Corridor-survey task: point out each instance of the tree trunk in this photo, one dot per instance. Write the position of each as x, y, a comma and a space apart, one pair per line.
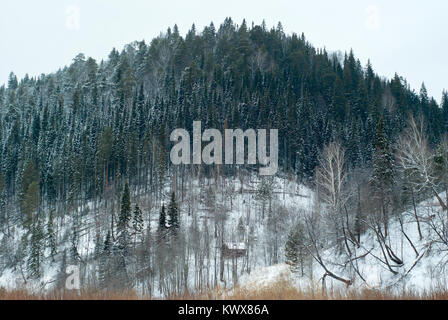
416, 216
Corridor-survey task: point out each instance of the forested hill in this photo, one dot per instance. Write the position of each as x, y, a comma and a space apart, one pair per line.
67, 136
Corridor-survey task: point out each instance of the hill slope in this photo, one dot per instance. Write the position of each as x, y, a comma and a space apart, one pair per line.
86, 178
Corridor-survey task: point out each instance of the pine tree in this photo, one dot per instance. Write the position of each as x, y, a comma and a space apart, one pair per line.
12, 81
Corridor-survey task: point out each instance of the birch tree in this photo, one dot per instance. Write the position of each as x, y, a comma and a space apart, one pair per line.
417, 159
330, 181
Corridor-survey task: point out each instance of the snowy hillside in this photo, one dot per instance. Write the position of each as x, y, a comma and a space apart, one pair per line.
239, 214
423, 268
242, 223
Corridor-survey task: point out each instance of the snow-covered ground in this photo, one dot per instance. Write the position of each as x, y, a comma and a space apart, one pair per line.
243, 224
424, 270
263, 266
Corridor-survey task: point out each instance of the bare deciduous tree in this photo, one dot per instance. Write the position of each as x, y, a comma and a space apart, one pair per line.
331, 180
416, 158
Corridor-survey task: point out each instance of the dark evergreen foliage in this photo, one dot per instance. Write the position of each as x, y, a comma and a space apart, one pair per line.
89, 123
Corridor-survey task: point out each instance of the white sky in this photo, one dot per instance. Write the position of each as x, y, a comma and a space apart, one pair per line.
404, 36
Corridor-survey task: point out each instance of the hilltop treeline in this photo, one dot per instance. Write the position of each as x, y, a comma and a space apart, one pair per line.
94, 123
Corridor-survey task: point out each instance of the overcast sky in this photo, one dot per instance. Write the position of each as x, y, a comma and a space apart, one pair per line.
404, 36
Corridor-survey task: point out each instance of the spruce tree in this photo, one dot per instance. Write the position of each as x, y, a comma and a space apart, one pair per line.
105, 267
125, 209
383, 163
137, 221
441, 164
31, 200
51, 235
173, 213
291, 256
36, 251
162, 218
121, 250
382, 179
295, 249
444, 106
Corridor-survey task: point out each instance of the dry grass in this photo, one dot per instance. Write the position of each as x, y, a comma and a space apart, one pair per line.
92, 294
285, 291
278, 291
